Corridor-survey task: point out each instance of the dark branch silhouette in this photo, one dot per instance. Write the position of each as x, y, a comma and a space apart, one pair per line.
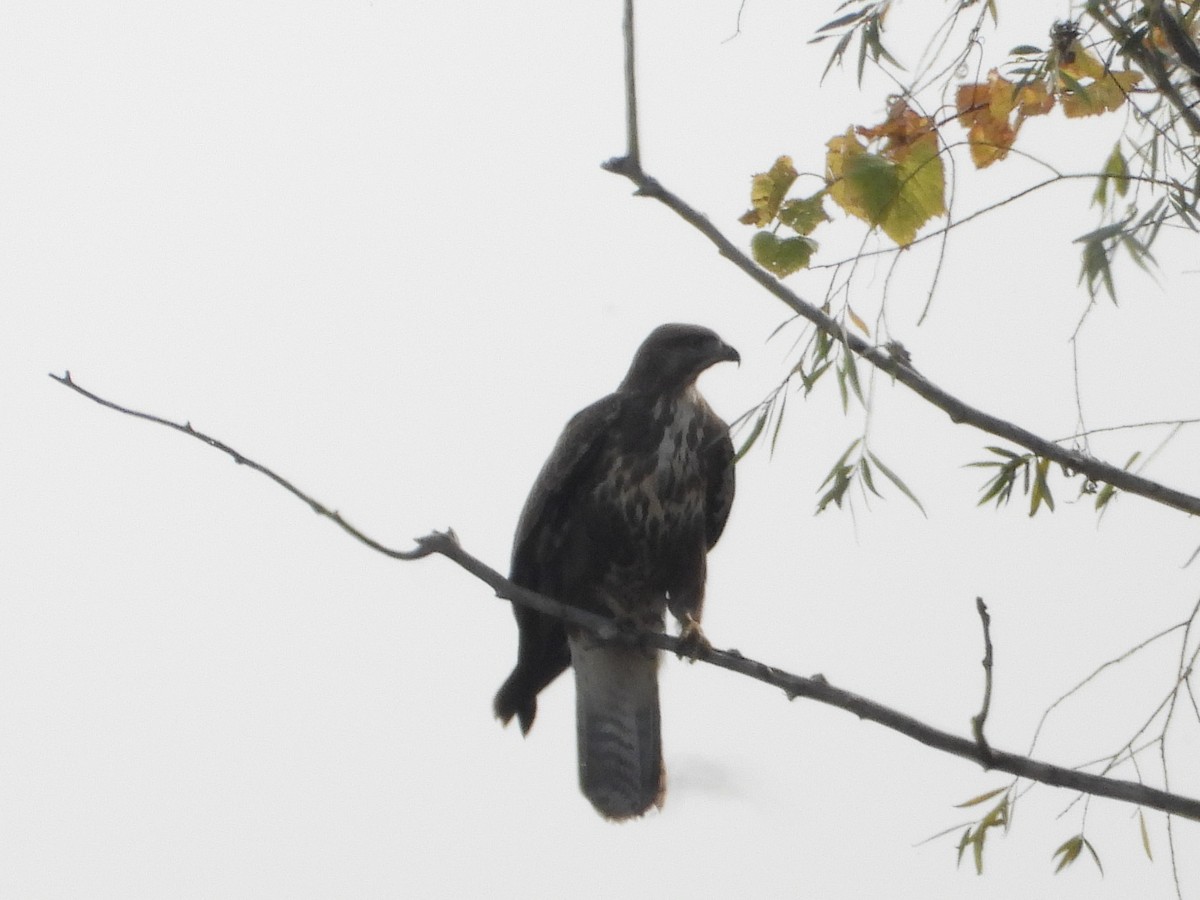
816, 688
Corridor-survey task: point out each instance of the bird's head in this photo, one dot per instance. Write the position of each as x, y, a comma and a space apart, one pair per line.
673, 356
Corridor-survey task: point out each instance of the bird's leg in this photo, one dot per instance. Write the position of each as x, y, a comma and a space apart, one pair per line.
692, 642
686, 606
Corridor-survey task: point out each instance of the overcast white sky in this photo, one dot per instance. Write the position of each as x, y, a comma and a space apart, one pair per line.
369, 245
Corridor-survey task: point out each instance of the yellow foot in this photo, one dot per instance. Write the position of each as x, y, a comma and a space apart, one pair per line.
692, 642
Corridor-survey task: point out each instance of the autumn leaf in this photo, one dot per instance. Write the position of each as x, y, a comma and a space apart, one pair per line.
781, 256
1105, 94
863, 184
987, 109
922, 192
898, 189
767, 191
1089, 89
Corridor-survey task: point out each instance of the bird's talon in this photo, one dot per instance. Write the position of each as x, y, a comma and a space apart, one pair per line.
692, 642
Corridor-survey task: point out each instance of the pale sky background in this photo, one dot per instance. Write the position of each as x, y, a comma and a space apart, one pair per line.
370, 245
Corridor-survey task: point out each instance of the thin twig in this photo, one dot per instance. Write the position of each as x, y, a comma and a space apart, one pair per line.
816, 688
633, 153
979, 721
186, 428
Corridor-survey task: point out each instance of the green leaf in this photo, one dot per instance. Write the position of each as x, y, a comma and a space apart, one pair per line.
1025, 50
921, 194
981, 798
896, 480
838, 479
805, 214
781, 257
1115, 169
1041, 489
778, 420
851, 367
759, 424
810, 379
963, 843
847, 19
1145, 836
1095, 855
841, 463
864, 468
1069, 850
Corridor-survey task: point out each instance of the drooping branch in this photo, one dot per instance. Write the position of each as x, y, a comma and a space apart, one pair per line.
816, 688
897, 366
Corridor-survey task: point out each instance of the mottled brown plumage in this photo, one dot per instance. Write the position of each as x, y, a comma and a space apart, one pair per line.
619, 522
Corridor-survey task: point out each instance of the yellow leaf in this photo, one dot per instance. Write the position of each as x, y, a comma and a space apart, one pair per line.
922, 193
898, 189
975, 801
1034, 100
1103, 95
985, 109
1083, 64
862, 326
767, 191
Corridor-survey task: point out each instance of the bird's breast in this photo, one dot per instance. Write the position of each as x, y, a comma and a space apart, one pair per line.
656, 489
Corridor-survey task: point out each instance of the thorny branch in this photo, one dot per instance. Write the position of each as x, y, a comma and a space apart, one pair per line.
816, 688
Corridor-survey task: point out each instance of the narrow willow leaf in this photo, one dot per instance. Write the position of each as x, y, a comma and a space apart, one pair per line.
847, 19
963, 842
759, 424
852, 375
841, 463
1145, 836
975, 801
1041, 488
1069, 850
904, 489
864, 467
1095, 855
858, 323
778, 421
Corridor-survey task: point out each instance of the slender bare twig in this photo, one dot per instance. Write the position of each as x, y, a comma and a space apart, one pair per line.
980, 720
633, 154
817, 688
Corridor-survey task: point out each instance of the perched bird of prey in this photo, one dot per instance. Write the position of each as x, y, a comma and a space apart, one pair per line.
619, 522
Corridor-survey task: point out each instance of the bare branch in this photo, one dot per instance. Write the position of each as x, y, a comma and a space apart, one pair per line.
978, 721
816, 688
186, 428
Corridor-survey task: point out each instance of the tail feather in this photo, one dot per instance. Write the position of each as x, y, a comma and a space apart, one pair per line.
618, 727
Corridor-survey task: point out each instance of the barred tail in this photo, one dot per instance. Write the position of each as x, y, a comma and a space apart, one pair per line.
618, 727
